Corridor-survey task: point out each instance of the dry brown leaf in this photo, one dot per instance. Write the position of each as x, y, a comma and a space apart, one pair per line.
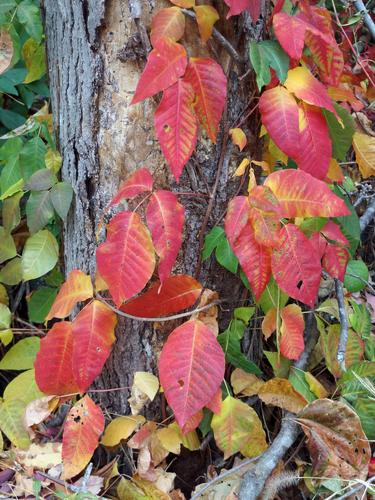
245, 383
209, 316
6, 50
280, 392
39, 409
144, 389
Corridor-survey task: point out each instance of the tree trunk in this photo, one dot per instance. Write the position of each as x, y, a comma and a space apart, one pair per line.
94, 60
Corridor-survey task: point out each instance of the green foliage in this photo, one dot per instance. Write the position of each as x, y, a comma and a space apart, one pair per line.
356, 276
265, 55
341, 135
216, 240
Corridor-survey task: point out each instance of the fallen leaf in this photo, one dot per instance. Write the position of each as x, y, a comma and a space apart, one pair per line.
280, 392
39, 409
121, 428
245, 383
40, 456
144, 389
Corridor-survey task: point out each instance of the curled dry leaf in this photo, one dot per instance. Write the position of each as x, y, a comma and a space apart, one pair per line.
144, 389
280, 392
39, 409
336, 441
6, 50
245, 383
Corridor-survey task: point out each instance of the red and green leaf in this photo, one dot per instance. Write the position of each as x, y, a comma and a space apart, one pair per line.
137, 183
291, 330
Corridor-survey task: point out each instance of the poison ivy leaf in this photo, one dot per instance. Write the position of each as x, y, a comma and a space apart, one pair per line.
365, 409
170, 23
211, 240
121, 428
291, 330
175, 294
364, 147
280, 392
265, 55
53, 160
23, 387
272, 297
54, 361
83, 427
28, 14
6, 6
191, 357
165, 64
11, 273
237, 428
5, 317
32, 157
41, 180
61, 198
40, 303
335, 260
236, 7
6, 50
11, 422
238, 138
298, 380
21, 356
93, 333
40, 255
206, 18
290, 31
176, 125
10, 148
225, 256
210, 86
336, 441
77, 288
356, 276
341, 134
7, 245
280, 365
11, 180
126, 260
360, 319
354, 382
139, 182
349, 224
39, 210
34, 55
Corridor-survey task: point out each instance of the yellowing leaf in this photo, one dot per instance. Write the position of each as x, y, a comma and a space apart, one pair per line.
121, 428
5, 317
280, 392
6, 336
145, 387
53, 160
315, 386
269, 322
170, 439
238, 137
237, 428
4, 299
40, 456
364, 147
22, 355
245, 383
189, 440
6, 50
241, 169
35, 60
23, 387
11, 422
206, 18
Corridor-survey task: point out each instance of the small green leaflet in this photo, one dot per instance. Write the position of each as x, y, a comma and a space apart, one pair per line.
216, 240
7, 246
272, 297
356, 276
39, 210
341, 137
360, 319
5, 316
28, 14
40, 303
350, 223
265, 55
40, 255
32, 157
11, 273
11, 180
61, 197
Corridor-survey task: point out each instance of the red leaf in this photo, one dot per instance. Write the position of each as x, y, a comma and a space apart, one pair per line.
319, 244
170, 23
210, 86
237, 217
335, 260
236, 7
290, 31
93, 332
165, 217
77, 288
266, 227
83, 426
215, 404
301, 195
139, 182
175, 294
165, 64
192, 423
315, 143
191, 369
295, 265
53, 363
126, 260
327, 56
333, 232
176, 125
292, 326
279, 111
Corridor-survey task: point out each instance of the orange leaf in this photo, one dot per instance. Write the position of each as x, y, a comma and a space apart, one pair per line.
334, 173
83, 426
266, 227
93, 332
192, 422
292, 327
176, 125
206, 18
210, 86
77, 288
170, 23
139, 182
238, 137
191, 369
301, 195
175, 294
126, 260
53, 363
269, 322
165, 64
327, 56
280, 392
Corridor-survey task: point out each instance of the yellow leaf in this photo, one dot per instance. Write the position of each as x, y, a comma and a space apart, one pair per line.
6, 336
238, 137
364, 147
35, 60
206, 18
334, 173
138, 489
280, 392
252, 181
315, 386
4, 299
23, 387
184, 4
121, 428
40, 456
245, 383
237, 428
170, 439
189, 440
241, 169
53, 160
276, 153
11, 422
6, 50
144, 389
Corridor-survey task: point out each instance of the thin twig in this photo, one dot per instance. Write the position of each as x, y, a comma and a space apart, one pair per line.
360, 7
368, 216
344, 325
30, 325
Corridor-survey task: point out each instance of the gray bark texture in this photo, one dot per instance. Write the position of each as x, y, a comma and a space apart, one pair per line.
95, 57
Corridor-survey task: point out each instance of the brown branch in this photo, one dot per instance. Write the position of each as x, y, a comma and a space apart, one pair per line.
254, 480
344, 325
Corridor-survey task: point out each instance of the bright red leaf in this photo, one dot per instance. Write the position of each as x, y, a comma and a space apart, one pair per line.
82, 429
290, 31
301, 195
93, 333
169, 22
279, 111
139, 182
295, 265
215, 404
165, 217
319, 243
292, 327
77, 288
176, 125
126, 260
210, 86
165, 64
236, 7
335, 260
333, 233
53, 363
175, 294
191, 369
237, 217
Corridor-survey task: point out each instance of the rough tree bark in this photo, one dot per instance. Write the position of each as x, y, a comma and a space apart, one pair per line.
95, 57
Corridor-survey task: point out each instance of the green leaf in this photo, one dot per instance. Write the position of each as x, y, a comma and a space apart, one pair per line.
360, 319
6, 6
7, 246
353, 383
35, 60
5, 317
211, 240
356, 276
55, 278
298, 381
11, 422
23, 387
365, 409
11, 180
272, 297
61, 197
225, 256
311, 225
265, 55
244, 314
6, 336
11, 273
11, 119
350, 223
28, 14
32, 157
341, 137
39, 210
370, 348
40, 303
40, 255
41, 180
280, 365
22, 355
11, 211
10, 148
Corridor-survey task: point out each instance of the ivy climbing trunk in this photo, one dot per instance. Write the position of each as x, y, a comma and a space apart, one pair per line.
95, 56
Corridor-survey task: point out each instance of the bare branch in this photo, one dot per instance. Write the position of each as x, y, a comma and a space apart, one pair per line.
360, 7
368, 216
344, 325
